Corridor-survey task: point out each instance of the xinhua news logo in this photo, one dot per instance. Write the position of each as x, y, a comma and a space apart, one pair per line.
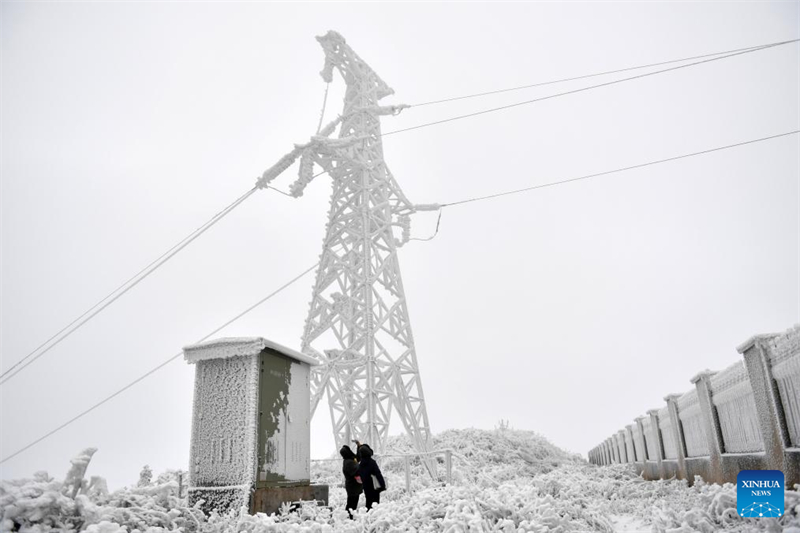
759, 493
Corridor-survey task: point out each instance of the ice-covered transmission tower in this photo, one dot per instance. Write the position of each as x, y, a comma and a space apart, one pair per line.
358, 326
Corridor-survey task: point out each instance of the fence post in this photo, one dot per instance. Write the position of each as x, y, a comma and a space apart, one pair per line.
655, 431
180, 484
612, 441
713, 431
629, 430
448, 466
677, 432
774, 432
643, 444
623, 446
407, 462
629, 438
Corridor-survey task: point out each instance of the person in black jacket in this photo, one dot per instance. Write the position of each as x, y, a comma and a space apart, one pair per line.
371, 477
352, 483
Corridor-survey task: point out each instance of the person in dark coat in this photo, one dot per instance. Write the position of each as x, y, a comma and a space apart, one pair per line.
352, 483
371, 477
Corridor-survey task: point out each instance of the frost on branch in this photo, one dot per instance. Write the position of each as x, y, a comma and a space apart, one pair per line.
145, 476
74, 481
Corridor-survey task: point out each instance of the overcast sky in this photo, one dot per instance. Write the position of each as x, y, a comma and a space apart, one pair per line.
568, 311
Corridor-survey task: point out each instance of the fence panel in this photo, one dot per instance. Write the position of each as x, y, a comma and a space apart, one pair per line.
652, 445
667, 434
732, 396
785, 357
629, 444
693, 425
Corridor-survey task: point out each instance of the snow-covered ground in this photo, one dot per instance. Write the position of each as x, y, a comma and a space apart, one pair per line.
503, 480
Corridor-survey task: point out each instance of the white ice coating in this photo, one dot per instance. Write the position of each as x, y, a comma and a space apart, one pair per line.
732, 395
785, 346
235, 346
694, 430
784, 353
224, 455
503, 481
667, 433
629, 442
638, 442
650, 443
224, 428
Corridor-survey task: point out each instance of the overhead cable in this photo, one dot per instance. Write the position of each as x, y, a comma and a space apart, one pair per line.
585, 76
114, 295
584, 89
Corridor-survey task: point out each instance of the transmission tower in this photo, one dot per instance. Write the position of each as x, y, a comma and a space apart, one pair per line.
358, 326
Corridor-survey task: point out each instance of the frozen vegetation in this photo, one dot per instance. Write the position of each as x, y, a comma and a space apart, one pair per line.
503, 480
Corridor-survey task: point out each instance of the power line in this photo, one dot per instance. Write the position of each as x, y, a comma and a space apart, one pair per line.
94, 310
585, 76
582, 89
296, 278
623, 169
114, 295
156, 368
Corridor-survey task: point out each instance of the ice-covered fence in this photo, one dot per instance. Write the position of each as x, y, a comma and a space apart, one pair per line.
746, 416
629, 442
732, 395
638, 442
665, 425
650, 442
692, 424
784, 353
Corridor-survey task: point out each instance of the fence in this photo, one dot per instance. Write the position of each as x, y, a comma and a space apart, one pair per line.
746, 416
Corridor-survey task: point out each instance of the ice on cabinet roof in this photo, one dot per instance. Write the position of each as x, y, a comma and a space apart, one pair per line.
237, 346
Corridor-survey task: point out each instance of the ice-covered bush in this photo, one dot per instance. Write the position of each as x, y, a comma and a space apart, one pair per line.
42, 504
504, 481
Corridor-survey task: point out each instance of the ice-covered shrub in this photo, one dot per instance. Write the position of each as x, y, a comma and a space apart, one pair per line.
42, 504
505, 481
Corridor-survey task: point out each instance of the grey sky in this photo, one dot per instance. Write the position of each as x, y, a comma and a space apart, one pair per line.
568, 311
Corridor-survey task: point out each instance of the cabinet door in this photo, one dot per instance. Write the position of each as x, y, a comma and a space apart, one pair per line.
273, 398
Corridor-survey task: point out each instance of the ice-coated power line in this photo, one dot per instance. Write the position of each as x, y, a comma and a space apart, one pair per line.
114, 295
146, 271
585, 76
588, 88
158, 367
296, 278
623, 169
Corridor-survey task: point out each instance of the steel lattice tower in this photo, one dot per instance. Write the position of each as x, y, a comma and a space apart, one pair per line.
358, 326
